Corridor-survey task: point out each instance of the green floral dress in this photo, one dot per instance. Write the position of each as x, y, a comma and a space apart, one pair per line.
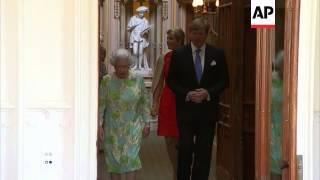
276, 125
124, 109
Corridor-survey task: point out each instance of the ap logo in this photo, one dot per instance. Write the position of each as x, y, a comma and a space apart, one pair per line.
262, 13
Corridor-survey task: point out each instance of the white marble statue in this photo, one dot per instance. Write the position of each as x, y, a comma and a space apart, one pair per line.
139, 28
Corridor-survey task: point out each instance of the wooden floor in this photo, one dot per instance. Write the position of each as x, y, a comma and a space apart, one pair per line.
155, 162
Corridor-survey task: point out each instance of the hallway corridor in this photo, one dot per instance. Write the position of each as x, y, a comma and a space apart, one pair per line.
155, 162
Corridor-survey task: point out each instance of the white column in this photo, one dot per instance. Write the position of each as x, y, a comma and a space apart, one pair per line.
316, 141
112, 30
86, 88
167, 24
308, 56
177, 19
8, 89
181, 16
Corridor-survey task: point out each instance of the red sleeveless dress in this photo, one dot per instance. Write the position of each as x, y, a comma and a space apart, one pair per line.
167, 122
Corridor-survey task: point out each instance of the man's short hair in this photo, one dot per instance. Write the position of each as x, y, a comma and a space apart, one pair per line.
199, 24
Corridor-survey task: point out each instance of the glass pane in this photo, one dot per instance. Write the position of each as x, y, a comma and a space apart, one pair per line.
277, 94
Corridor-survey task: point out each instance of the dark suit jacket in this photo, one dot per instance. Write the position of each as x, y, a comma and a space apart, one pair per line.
182, 79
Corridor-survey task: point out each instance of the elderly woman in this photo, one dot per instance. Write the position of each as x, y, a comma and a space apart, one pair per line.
124, 113
164, 103
276, 117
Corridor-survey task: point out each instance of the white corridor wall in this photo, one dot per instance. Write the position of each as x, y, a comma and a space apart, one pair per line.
48, 89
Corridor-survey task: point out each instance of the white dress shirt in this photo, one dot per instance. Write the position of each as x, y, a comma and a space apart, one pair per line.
202, 56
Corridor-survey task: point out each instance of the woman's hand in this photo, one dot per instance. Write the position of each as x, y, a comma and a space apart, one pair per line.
154, 112
154, 109
146, 130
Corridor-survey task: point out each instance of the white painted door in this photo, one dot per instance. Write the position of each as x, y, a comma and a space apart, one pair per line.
48, 89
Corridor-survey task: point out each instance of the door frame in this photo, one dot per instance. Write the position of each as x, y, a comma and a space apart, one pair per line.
265, 44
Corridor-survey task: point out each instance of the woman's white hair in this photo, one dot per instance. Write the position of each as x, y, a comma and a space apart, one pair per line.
278, 61
121, 53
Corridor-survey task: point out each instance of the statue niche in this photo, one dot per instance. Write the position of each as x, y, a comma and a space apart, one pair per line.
139, 28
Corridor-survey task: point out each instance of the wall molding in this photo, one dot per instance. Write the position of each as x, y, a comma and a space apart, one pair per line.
316, 142
6, 106
317, 117
5, 109
49, 116
49, 105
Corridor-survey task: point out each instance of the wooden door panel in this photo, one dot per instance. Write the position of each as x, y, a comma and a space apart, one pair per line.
236, 127
225, 131
248, 123
224, 145
291, 43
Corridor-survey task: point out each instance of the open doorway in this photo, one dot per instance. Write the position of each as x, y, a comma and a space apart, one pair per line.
241, 136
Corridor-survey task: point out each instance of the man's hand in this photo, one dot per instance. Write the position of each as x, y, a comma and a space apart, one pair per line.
198, 95
194, 96
202, 93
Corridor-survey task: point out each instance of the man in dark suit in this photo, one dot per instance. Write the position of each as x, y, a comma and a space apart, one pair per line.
197, 75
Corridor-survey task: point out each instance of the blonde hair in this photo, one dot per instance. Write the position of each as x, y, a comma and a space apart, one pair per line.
178, 34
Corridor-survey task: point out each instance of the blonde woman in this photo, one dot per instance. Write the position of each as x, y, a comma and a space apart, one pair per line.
164, 99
